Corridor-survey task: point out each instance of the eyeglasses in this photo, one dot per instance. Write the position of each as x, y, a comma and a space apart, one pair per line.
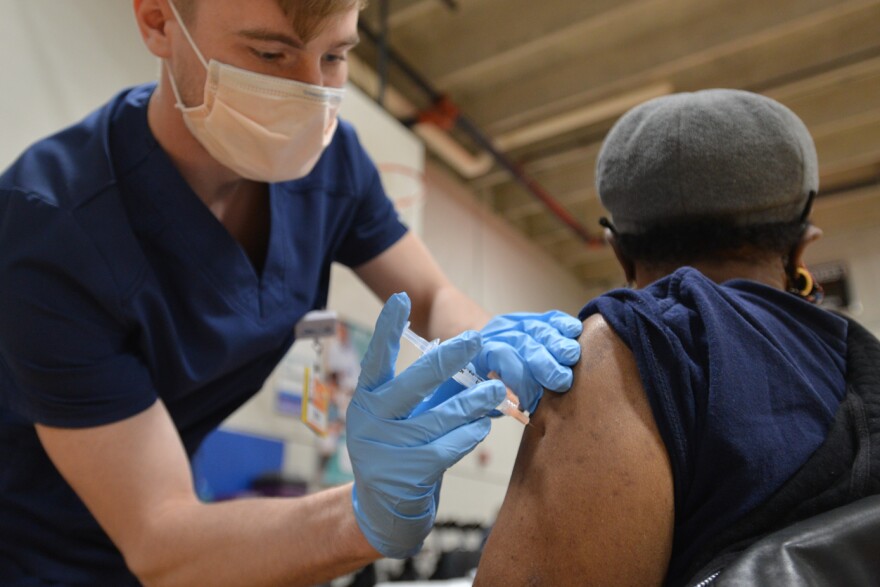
603, 221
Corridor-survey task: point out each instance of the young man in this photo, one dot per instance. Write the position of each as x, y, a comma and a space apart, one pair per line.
154, 260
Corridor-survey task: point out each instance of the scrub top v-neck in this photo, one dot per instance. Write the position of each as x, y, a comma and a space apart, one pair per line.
203, 243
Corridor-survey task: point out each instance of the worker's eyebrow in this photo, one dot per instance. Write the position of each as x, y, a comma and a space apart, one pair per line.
270, 35
351, 42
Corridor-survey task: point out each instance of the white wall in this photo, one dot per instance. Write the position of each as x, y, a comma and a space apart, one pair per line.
60, 60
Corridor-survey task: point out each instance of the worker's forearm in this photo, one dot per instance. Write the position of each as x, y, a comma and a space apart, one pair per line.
452, 312
254, 542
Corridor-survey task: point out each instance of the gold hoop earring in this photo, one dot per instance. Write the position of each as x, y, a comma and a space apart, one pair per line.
804, 285
808, 282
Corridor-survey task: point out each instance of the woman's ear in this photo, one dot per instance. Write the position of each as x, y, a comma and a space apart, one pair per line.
799, 280
629, 268
810, 235
152, 17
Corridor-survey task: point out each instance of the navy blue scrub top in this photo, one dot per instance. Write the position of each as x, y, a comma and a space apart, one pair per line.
118, 286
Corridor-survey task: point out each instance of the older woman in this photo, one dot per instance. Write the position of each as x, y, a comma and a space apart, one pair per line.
704, 389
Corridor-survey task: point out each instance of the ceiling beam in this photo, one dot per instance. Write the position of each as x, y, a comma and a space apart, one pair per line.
610, 108
822, 102
469, 40
852, 211
856, 139
851, 105
820, 83
705, 57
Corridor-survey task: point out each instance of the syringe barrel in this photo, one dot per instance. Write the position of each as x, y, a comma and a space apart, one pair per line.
468, 376
417, 341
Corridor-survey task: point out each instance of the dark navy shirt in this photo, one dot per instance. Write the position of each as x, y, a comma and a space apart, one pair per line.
118, 287
743, 381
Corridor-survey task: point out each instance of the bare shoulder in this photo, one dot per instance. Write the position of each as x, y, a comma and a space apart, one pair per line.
590, 500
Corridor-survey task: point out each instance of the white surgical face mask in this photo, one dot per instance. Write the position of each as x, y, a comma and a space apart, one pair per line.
263, 127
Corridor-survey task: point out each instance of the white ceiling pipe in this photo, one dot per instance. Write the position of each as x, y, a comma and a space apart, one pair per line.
463, 161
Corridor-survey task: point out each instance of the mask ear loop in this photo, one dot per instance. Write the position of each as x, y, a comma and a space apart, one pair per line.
180, 105
800, 281
187, 35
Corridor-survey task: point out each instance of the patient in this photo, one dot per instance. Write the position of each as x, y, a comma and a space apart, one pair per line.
705, 388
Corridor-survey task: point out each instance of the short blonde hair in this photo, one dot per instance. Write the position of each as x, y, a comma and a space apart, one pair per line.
308, 17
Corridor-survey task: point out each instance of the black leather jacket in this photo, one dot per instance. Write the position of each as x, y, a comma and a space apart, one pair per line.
822, 527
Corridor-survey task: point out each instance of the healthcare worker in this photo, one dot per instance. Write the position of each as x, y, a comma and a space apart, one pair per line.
154, 259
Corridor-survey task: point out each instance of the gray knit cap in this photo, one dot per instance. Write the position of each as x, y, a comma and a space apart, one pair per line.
706, 155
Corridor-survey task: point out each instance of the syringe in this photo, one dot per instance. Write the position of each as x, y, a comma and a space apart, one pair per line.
468, 377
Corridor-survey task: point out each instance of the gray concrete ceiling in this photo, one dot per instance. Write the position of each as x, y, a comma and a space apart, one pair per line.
546, 79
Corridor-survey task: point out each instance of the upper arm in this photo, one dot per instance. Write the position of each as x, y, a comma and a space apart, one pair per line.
404, 266
65, 334
439, 309
590, 501
128, 473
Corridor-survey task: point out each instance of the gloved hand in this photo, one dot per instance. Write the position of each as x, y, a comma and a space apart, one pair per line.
399, 457
530, 352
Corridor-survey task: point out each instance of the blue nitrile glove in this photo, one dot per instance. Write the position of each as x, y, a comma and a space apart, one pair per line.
530, 352
399, 457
